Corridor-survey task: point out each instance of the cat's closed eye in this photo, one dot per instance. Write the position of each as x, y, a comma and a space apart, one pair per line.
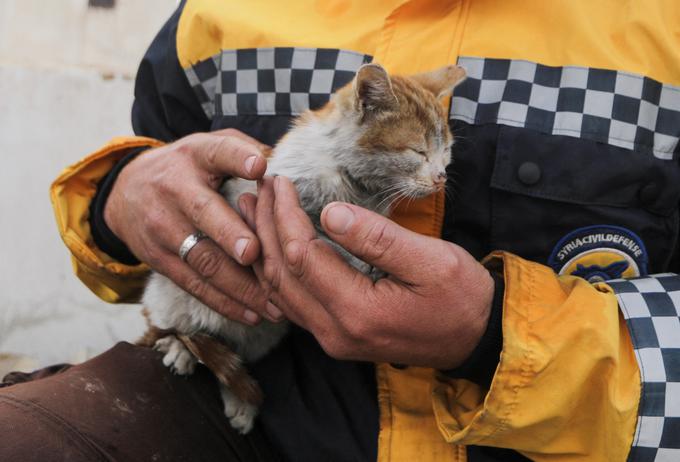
419, 151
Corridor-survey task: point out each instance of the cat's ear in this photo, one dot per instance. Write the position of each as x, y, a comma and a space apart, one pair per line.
373, 91
442, 81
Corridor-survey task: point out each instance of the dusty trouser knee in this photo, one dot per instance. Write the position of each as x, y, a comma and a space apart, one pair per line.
121, 405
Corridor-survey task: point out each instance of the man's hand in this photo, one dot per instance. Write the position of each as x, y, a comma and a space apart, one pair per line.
431, 311
167, 193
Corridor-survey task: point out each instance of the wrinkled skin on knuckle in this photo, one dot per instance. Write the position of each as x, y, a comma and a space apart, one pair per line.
251, 293
235, 147
379, 240
223, 146
272, 272
215, 180
208, 262
188, 146
196, 287
213, 152
296, 254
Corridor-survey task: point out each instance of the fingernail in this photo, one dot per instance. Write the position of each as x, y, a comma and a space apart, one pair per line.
339, 218
273, 311
250, 162
251, 316
240, 246
277, 183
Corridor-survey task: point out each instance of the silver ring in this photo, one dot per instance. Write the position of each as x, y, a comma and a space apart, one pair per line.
189, 243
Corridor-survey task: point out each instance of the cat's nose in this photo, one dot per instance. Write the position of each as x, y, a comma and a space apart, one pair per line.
439, 178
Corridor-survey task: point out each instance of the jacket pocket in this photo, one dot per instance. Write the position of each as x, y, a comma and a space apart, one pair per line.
545, 187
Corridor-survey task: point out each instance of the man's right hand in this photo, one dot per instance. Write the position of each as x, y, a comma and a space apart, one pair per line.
168, 193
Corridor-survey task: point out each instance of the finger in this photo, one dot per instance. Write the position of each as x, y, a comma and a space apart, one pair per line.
247, 203
264, 148
274, 300
323, 272
227, 276
229, 155
288, 293
208, 211
379, 241
266, 230
210, 262
270, 253
192, 282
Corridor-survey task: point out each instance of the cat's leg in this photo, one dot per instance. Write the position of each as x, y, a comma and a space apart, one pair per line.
240, 413
177, 356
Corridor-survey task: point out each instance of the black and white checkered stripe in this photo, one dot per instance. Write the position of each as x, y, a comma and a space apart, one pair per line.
618, 108
651, 307
203, 77
268, 81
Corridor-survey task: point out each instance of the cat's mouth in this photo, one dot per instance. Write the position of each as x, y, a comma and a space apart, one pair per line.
406, 192
424, 190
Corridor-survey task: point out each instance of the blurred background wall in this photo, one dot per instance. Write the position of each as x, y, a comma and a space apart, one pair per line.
66, 81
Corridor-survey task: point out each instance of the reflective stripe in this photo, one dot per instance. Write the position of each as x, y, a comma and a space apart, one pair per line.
268, 81
614, 107
651, 307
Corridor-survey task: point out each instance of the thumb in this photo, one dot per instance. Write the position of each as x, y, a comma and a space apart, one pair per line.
378, 240
265, 149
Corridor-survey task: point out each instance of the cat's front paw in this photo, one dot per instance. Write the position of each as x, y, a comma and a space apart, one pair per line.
177, 357
241, 415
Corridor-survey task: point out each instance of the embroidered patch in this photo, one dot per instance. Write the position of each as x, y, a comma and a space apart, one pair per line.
600, 253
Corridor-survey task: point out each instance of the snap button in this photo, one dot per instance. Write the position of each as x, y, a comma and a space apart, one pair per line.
529, 173
648, 193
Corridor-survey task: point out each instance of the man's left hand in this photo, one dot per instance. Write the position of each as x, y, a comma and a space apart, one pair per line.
431, 310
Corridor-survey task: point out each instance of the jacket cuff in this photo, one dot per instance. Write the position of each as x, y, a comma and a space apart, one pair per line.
481, 366
567, 372
71, 195
102, 235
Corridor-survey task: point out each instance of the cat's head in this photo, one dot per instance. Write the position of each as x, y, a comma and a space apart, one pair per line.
402, 139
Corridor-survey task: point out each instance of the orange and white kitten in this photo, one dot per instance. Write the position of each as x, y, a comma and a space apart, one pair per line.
379, 139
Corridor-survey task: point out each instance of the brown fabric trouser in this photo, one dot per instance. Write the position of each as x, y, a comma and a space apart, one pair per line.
135, 411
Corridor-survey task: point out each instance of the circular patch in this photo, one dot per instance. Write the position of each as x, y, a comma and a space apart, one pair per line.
600, 253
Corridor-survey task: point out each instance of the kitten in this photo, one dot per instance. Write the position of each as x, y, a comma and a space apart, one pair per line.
379, 139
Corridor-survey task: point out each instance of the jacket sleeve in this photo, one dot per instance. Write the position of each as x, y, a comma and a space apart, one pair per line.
165, 108
587, 372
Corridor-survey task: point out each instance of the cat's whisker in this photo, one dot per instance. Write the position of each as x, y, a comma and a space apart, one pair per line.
399, 198
394, 191
389, 200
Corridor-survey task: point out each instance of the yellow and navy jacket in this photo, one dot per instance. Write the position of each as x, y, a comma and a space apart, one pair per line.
565, 175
